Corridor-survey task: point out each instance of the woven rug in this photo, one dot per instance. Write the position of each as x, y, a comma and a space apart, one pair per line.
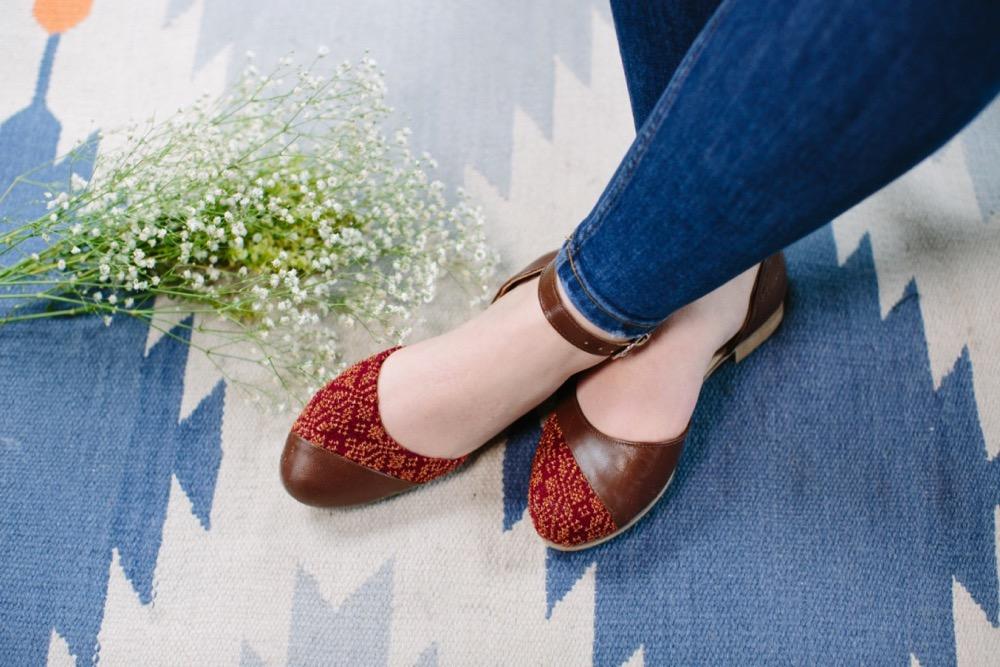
838, 501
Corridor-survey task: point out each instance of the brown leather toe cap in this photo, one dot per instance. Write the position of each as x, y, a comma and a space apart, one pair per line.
321, 478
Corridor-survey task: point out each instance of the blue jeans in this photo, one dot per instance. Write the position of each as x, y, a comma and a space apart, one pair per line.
759, 121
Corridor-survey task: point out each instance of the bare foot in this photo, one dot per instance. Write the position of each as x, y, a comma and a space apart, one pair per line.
448, 395
651, 394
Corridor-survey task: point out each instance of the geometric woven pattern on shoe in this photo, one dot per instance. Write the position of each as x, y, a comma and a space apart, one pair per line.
563, 506
343, 417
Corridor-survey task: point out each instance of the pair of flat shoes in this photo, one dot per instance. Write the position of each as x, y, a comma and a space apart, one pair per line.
586, 487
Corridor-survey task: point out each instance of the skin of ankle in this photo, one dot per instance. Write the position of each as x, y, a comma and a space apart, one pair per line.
651, 394
586, 324
477, 378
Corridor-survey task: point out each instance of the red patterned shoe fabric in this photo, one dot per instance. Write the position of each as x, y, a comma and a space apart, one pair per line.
343, 417
563, 506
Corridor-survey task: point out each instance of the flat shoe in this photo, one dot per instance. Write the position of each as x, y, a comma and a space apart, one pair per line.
338, 452
587, 487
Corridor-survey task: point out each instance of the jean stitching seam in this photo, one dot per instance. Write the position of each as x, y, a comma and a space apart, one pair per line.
587, 293
656, 120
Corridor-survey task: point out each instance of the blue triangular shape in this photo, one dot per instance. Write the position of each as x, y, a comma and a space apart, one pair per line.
357, 633
199, 452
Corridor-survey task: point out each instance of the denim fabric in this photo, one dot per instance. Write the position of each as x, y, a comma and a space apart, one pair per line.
780, 115
653, 38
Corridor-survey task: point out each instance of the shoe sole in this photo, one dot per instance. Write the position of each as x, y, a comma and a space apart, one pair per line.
739, 353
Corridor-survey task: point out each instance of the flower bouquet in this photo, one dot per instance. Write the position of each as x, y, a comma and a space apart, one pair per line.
277, 213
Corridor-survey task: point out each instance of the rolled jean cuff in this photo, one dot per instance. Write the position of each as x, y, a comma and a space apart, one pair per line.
588, 301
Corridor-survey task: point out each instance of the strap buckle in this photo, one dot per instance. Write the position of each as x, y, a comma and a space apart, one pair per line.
637, 342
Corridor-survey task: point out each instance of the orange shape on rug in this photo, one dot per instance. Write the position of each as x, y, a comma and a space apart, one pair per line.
61, 15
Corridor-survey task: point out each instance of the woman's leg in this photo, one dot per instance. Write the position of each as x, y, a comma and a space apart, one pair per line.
650, 395
782, 114
475, 380
653, 37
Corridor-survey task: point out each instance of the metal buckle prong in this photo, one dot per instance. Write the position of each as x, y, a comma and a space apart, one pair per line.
638, 342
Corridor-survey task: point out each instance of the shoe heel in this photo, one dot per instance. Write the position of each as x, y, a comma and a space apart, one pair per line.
754, 340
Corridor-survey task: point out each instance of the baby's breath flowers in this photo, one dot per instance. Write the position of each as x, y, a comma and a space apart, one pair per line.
281, 208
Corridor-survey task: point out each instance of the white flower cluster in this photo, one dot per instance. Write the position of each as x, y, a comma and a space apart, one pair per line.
282, 207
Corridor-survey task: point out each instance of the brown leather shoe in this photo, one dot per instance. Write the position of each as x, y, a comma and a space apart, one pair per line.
587, 487
338, 452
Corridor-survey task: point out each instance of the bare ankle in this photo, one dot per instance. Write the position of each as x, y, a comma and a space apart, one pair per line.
586, 324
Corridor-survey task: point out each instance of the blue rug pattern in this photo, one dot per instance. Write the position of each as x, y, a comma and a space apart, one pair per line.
836, 503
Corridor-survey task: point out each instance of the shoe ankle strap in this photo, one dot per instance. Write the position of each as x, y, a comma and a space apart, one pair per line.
562, 321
